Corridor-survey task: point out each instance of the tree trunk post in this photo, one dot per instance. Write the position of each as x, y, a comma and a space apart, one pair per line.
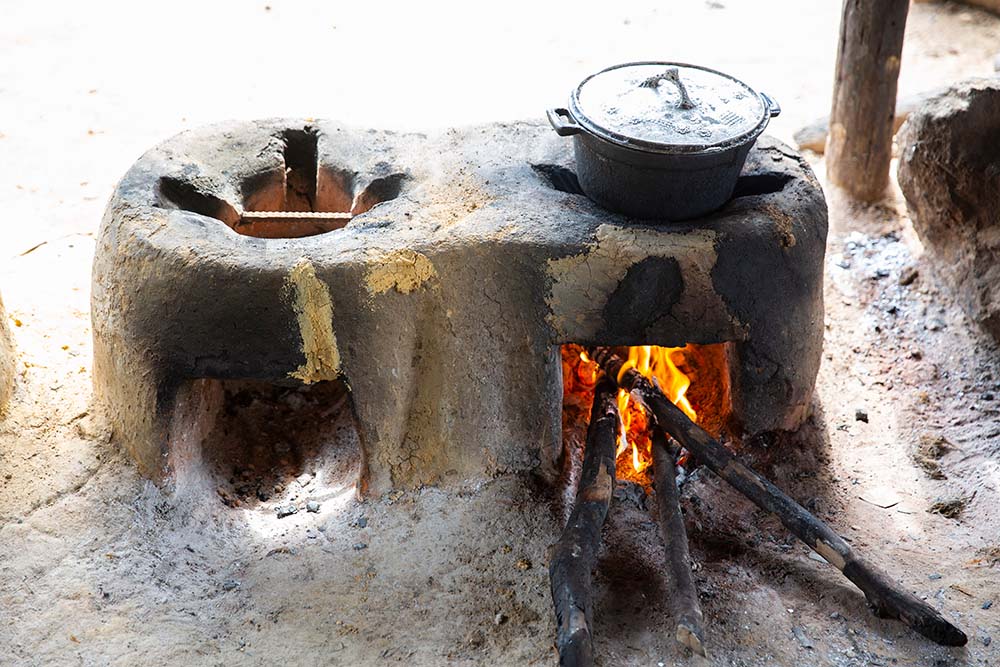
859, 147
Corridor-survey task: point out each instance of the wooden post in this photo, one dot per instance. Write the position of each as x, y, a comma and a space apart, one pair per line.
859, 147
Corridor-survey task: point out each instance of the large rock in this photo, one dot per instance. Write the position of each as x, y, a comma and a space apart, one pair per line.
6, 360
949, 171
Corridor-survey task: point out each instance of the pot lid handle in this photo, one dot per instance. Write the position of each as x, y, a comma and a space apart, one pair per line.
671, 75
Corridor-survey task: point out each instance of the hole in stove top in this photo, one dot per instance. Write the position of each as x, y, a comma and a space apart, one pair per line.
765, 183
305, 198
178, 193
558, 177
565, 180
297, 197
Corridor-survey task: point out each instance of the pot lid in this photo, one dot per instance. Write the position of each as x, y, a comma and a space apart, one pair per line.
668, 107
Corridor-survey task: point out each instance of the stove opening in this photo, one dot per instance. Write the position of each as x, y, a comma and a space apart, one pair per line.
287, 203
282, 448
299, 196
747, 185
694, 377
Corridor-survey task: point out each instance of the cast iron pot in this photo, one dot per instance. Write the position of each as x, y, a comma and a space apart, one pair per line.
662, 152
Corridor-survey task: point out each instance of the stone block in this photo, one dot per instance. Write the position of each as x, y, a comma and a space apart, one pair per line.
949, 172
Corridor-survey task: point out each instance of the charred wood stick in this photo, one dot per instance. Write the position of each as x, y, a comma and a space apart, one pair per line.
682, 595
572, 558
887, 599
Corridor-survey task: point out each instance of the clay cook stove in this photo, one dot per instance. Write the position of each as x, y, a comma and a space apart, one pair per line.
446, 282
437, 277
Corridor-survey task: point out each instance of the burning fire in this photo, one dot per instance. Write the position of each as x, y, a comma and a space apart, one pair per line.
661, 364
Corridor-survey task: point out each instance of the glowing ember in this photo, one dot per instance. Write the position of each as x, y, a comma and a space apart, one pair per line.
660, 364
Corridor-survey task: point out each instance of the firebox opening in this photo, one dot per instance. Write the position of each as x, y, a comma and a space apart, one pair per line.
280, 447
694, 377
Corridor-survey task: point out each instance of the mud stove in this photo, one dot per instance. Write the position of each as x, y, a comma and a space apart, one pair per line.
441, 279
457, 266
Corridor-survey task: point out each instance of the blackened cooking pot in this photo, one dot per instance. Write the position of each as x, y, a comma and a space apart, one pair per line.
662, 140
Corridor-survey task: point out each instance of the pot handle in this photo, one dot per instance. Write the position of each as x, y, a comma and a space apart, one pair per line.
773, 107
563, 128
673, 76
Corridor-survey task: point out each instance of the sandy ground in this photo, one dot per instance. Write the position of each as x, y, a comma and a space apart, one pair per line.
97, 567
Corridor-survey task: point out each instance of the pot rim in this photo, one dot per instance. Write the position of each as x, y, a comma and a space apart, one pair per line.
769, 109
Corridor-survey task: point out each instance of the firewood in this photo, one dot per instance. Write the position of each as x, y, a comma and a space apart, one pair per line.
682, 595
887, 598
572, 558
859, 147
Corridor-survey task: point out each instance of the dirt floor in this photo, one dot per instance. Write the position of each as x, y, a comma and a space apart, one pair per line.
98, 567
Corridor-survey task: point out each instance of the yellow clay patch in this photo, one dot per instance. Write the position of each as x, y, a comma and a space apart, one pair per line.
314, 311
401, 270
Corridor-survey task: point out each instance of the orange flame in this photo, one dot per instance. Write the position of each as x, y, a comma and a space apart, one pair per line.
656, 363
659, 364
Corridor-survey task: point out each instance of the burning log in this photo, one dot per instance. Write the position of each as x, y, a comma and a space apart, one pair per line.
572, 558
887, 599
682, 594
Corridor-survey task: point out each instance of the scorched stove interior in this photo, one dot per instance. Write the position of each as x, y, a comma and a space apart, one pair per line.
285, 448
